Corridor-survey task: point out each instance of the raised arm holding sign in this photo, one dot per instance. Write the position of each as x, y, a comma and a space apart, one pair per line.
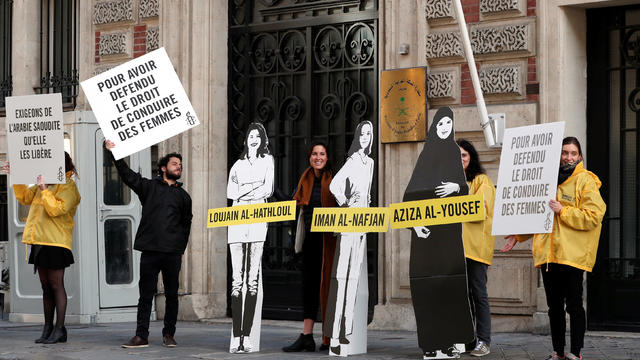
162, 237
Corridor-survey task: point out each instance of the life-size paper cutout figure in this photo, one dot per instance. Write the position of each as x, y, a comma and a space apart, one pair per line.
437, 268
250, 182
346, 324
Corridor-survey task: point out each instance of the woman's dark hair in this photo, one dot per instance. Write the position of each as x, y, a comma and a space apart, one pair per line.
329, 164
264, 144
68, 164
474, 168
163, 161
355, 144
572, 140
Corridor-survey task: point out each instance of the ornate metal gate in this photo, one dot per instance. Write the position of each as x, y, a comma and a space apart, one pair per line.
307, 70
613, 114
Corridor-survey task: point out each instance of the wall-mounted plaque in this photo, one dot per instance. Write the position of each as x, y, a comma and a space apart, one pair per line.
403, 105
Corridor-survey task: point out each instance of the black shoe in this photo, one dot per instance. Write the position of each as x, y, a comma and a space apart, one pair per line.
303, 343
169, 341
323, 347
58, 335
46, 332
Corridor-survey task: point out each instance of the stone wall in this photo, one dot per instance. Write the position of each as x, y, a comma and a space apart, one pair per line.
503, 37
124, 29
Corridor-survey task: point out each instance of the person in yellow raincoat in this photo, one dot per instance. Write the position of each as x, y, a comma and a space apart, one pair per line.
478, 247
570, 249
49, 231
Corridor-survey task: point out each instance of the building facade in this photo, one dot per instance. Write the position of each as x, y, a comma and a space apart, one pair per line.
310, 70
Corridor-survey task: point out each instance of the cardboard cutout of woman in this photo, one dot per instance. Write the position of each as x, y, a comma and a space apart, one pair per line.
250, 182
437, 268
351, 187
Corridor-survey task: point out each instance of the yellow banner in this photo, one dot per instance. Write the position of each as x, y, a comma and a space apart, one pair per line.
350, 220
449, 210
251, 214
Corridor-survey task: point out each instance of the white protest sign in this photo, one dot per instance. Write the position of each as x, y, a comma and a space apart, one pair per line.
527, 179
35, 138
140, 103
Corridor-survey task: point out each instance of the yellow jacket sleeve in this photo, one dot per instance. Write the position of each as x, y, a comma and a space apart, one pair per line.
63, 201
589, 213
23, 194
488, 191
523, 237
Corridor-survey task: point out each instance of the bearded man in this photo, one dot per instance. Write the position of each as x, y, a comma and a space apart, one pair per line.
161, 237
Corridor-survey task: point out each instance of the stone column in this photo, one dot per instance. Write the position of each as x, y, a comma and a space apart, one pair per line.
400, 23
194, 33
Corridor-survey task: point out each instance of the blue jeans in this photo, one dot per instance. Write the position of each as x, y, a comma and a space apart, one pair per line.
478, 299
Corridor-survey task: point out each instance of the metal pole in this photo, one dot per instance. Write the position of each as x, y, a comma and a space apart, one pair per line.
466, 45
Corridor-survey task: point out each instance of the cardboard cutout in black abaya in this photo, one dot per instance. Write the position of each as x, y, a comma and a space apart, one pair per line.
437, 266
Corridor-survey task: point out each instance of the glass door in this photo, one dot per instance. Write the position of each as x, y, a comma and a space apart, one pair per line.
118, 216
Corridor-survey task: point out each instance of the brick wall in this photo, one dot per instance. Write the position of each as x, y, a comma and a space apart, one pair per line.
139, 40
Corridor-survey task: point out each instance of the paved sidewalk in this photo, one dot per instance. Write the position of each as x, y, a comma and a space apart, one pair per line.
210, 340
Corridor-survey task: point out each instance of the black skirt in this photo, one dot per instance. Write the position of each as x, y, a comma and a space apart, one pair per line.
50, 257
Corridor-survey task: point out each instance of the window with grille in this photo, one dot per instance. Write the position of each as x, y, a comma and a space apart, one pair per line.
5, 50
58, 50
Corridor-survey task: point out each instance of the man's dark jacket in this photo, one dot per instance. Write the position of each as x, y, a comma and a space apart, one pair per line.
166, 211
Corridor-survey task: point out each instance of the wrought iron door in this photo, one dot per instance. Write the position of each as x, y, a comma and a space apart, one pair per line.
613, 113
308, 71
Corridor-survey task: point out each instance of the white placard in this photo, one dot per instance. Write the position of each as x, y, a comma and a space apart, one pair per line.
35, 138
140, 103
527, 179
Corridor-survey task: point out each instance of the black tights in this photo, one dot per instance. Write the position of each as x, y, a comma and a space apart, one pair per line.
53, 295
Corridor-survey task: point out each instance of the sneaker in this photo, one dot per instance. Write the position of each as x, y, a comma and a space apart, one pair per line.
570, 356
136, 342
481, 349
169, 341
555, 356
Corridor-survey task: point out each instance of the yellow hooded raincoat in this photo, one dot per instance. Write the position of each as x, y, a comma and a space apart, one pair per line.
576, 231
50, 220
478, 242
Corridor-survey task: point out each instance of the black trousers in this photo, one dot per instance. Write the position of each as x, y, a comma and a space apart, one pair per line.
152, 263
563, 285
479, 299
311, 274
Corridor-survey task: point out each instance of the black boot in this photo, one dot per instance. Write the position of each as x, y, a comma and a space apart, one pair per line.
58, 335
303, 343
46, 331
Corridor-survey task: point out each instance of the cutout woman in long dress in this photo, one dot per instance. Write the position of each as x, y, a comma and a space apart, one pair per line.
250, 182
437, 268
351, 187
